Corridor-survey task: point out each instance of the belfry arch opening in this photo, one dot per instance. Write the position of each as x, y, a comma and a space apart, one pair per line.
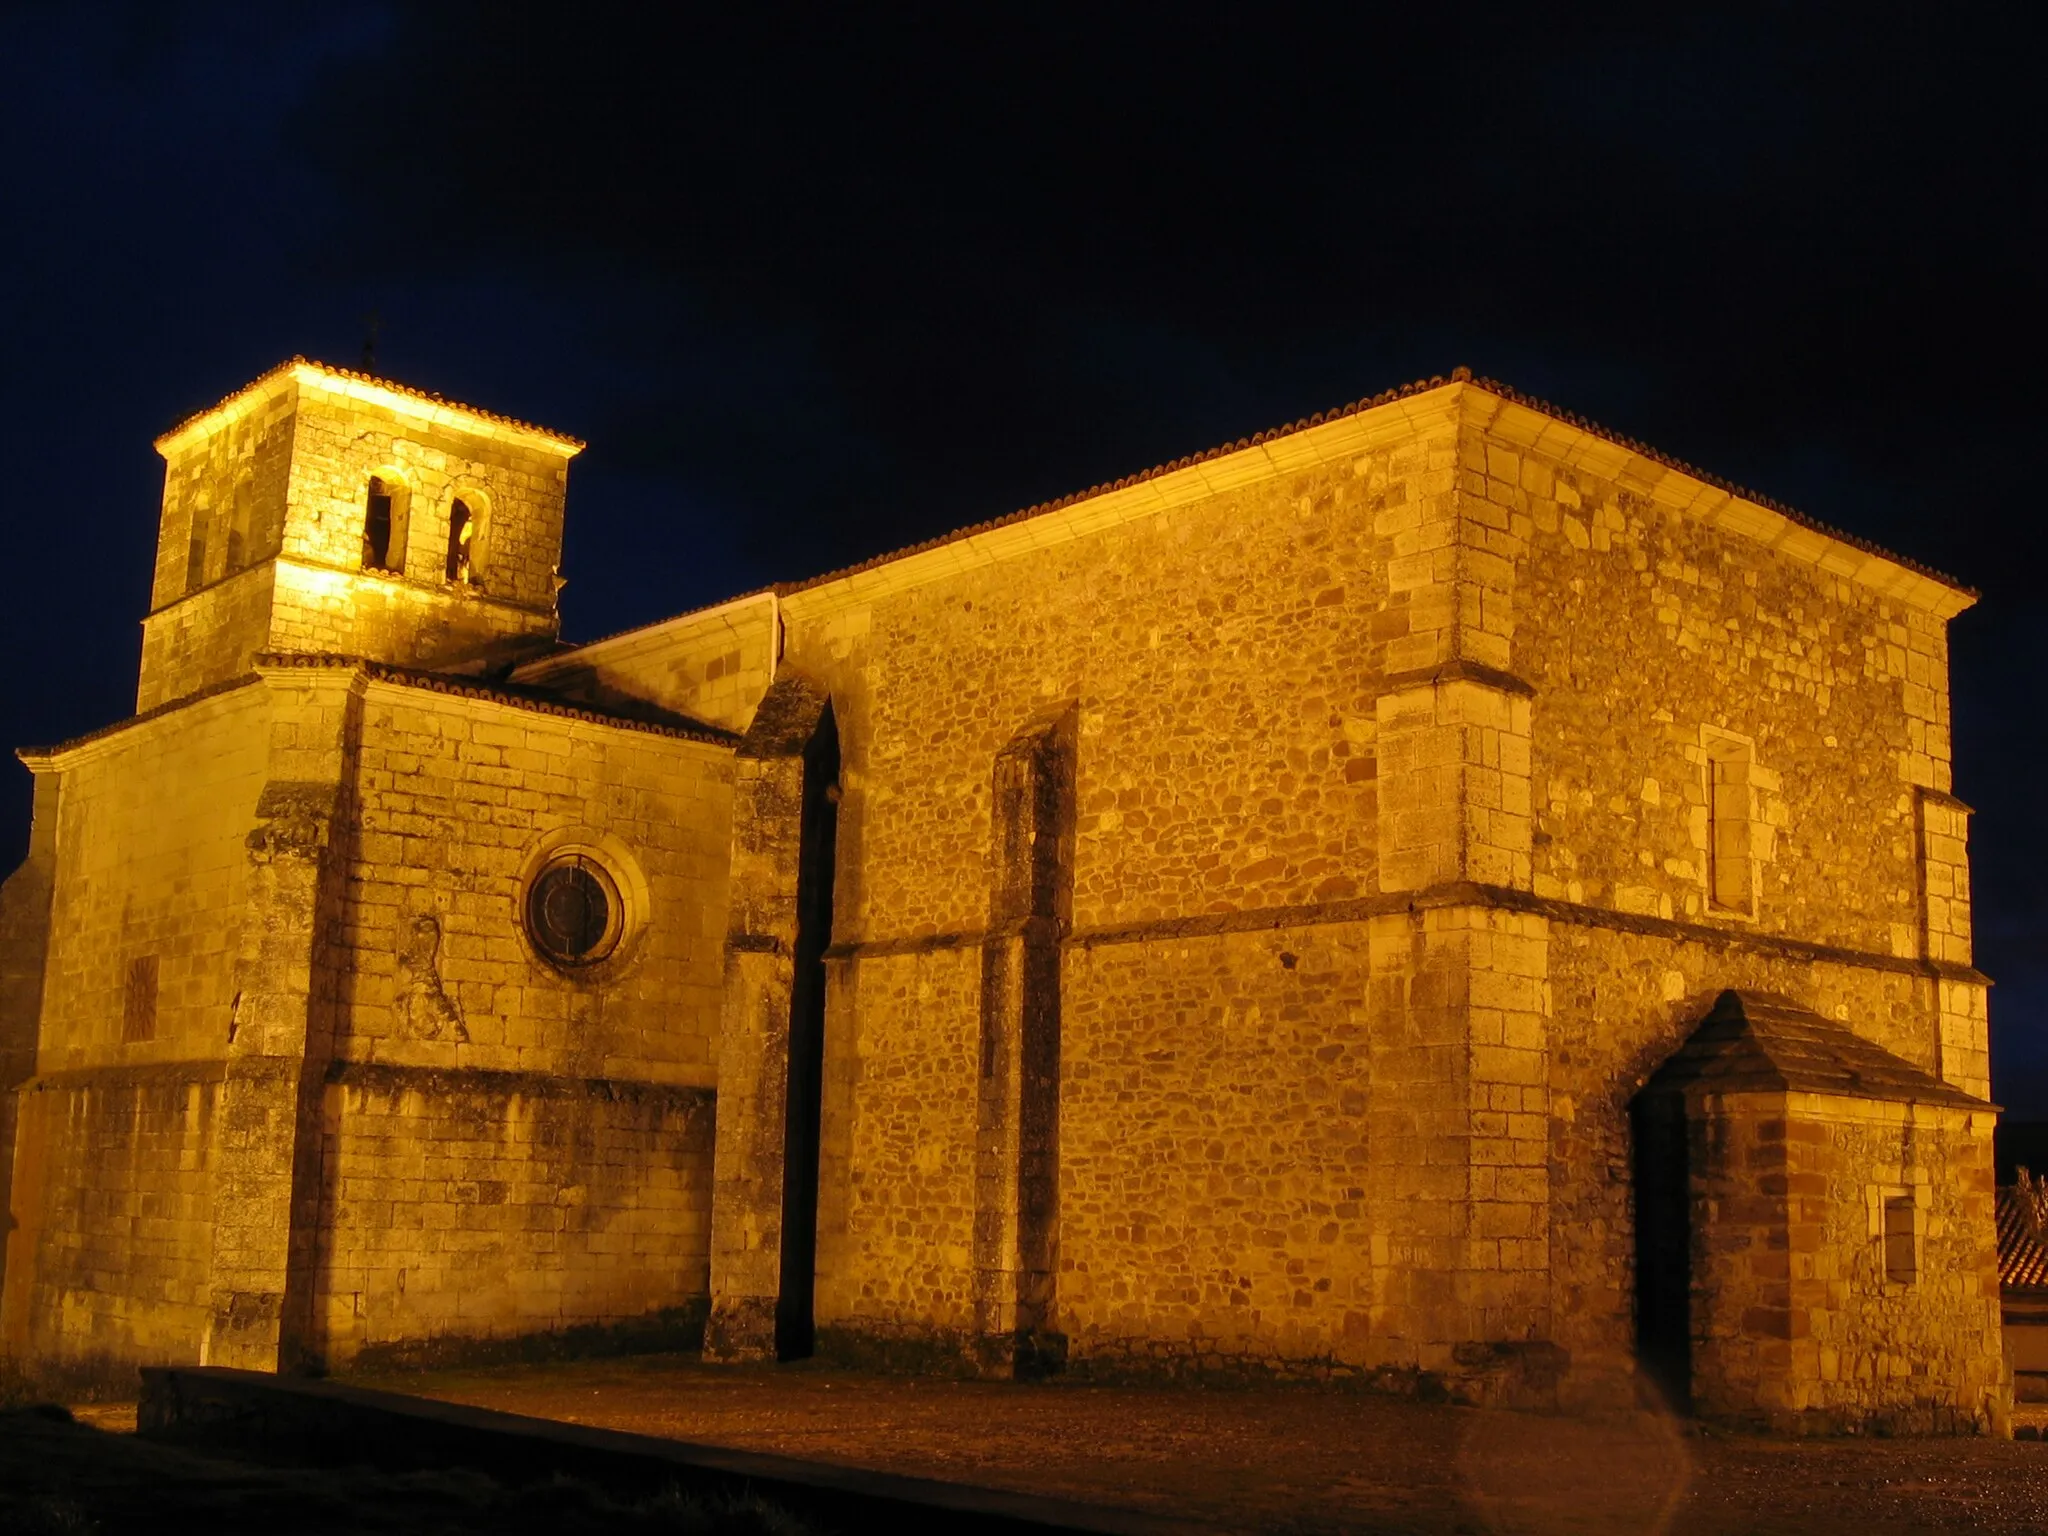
464, 524
384, 525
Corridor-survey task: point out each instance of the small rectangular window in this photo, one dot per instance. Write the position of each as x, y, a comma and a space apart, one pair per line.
1901, 1240
138, 1006
1730, 840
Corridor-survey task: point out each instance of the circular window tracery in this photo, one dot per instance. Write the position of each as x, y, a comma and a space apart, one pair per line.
573, 911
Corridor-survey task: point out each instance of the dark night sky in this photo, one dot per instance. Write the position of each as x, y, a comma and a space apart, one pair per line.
818, 283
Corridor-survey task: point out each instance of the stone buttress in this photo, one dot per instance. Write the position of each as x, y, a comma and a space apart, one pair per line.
771, 1039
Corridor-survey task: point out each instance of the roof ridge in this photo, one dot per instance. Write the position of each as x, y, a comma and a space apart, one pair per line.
1458, 375
432, 397
2022, 1256
515, 695
1801, 1050
563, 648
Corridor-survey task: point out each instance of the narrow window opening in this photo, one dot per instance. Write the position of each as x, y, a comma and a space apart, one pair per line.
138, 1005
377, 528
238, 529
1729, 833
195, 551
817, 858
1901, 1240
461, 529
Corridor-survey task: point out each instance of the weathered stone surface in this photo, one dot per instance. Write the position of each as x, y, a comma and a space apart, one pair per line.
261, 545
776, 773
321, 872
25, 899
1802, 1139
1257, 895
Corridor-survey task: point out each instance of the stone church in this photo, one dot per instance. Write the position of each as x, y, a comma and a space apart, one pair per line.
1438, 894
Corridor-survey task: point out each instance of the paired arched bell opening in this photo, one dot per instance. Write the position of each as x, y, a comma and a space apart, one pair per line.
388, 532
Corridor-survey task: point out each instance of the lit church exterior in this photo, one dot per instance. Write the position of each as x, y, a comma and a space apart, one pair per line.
1435, 894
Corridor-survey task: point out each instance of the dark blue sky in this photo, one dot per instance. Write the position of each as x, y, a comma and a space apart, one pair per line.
817, 283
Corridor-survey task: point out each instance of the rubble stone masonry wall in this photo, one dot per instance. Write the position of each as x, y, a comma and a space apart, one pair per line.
1626, 1001
1649, 633
1261, 889
1391, 884
1800, 1322
1224, 659
1654, 636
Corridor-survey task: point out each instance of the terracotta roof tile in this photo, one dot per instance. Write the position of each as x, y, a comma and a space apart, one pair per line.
1756, 1042
654, 723
663, 724
2022, 1252
156, 711
564, 647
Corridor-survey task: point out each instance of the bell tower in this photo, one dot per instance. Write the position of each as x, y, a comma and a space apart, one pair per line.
319, 510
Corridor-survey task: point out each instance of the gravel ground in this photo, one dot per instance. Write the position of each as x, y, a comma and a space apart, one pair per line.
1292, 1459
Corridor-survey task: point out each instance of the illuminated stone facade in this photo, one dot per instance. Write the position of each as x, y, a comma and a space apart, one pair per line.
1224, 922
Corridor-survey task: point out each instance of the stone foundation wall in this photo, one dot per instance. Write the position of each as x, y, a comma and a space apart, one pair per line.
896, 1196
1219, 1186
25, 899
113, 1204
468, 1206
